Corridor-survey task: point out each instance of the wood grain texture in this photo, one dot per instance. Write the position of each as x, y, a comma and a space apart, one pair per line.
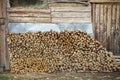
71, 9
29, 15
38, 15
103, 1
4, 58
77, 1
29, 19
71, 14
29, 10
71, 20
106, 23
64, 5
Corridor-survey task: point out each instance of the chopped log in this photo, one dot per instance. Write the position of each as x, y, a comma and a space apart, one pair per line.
52, 52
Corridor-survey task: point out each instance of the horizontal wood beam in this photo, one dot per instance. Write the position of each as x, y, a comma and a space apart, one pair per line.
66, 9
71, 14
35, 15
29, 20
74, 1
22, 10
71, 20
104, 1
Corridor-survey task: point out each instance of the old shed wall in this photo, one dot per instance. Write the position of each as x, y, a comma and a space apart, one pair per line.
106, 23
55, 13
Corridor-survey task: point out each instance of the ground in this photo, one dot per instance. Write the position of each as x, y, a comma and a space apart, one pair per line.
62, 76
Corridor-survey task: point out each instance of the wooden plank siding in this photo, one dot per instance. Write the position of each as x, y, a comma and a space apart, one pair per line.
71, 14
77, 1
71, 9
74, 13
4, 56
30, 15
106, 25
65, 5
104, 1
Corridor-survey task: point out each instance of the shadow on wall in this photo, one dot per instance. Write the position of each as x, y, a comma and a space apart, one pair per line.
35, 27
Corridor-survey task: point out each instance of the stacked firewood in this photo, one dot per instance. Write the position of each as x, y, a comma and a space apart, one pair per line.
53, 51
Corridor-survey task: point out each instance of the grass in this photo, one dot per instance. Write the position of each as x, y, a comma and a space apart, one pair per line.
78, 76
4, 78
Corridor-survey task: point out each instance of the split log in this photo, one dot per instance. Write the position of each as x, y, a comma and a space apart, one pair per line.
52, 51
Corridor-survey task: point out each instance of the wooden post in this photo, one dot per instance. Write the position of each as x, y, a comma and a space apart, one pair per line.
4, 56
106, 23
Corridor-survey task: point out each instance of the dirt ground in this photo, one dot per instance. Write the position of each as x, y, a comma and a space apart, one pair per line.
62, 76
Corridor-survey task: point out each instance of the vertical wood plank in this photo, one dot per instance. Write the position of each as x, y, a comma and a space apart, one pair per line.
106, 23
109, 26
94, 19
97, 20
105, 26
113, 28
4, 56
117, 30
101, 23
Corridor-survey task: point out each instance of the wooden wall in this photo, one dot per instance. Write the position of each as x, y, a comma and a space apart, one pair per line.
4, 56
29, 15
106, 24
56, 13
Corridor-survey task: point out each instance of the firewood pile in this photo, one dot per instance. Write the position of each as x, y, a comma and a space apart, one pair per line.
52, 51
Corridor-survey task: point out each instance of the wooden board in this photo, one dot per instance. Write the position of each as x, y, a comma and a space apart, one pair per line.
71, 20
103, 1
29, 19
65, 5
67, 9
67, 1
71, 15
38, 15
29, 15
29, 10
4, 58
106, 24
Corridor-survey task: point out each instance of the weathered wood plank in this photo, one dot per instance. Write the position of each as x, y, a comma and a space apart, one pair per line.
67, 1
71, 14
70, 20
109, 26
103, 1
65, 5
97, 17
93, 15
106, 22
104, 25
101, 18
117, 30
22, 10
4, 59
2, 44
29, 19
38, 15
67, 9
113, 26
